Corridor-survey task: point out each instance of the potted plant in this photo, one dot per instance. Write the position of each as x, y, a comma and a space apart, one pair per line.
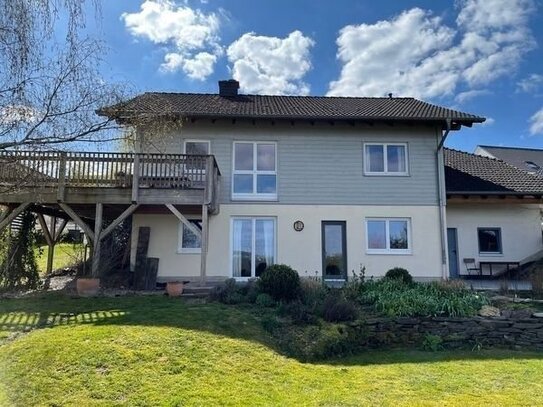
175, 288
87, 285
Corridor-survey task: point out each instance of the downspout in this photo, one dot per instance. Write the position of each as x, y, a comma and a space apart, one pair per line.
443, 200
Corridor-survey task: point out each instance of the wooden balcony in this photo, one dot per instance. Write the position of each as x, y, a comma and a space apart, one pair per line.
108, 178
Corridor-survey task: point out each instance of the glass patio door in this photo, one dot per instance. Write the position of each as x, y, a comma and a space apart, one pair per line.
334, 250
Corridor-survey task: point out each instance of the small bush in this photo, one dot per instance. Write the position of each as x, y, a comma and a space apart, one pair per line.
432, 343
312, 292
354, 287
398, 273
264, 300
281, 282
228, 293
298, 312
338, 309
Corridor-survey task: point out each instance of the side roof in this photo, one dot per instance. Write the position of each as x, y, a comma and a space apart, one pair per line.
473, 174
192, 105
518, 156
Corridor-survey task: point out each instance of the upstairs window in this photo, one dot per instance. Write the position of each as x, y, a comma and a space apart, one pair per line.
490, 240
385, 159
255, 171
196, 147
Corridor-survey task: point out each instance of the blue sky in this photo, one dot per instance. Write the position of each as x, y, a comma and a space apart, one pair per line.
480, 56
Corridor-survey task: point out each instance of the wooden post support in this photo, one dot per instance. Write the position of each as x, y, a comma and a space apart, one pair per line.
51, 251
86, 229
204, 244
12, 214
127, 212
96, 247
185, 221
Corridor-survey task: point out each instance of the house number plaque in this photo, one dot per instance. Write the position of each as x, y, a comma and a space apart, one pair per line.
298, 226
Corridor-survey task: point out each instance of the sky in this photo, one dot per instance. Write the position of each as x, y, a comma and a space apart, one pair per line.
479, 56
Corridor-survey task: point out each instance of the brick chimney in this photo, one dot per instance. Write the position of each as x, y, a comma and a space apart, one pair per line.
228, 88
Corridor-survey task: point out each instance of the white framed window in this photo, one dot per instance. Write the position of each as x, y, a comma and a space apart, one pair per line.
253, 246
388, 235
254, 174
188, 242
386, 159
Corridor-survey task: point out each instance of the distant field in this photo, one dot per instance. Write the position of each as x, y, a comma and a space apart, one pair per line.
66, 254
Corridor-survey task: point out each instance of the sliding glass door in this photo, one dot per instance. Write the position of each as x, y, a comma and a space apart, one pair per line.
253, 246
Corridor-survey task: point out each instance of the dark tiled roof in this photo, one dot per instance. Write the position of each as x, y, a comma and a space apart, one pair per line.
471, 173
285, 107
517, 156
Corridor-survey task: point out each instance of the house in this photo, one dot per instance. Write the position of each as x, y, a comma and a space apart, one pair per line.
322, 184
493, 215
226, 184
528, 159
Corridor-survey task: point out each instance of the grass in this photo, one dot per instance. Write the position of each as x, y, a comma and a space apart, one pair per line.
66, 254
147, 351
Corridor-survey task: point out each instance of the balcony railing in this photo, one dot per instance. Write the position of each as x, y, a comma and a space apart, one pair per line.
105, 170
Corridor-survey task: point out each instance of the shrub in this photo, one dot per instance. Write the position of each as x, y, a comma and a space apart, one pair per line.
337, 308
312, 292
432, 343
281, 282
298, 312
264, 300
395, 298
318, 342
398, 273
354, 286
228, 293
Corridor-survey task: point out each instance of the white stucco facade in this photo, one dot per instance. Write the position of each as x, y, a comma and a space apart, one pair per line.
301, 250
520, 227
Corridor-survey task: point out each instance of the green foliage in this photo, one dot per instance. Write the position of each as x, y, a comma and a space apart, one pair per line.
398, 273
319, 342
298, 312
18, 266
354, 287
395, 298
281, 282
337, 308
227, 293
432, 343
312, 293
265, 300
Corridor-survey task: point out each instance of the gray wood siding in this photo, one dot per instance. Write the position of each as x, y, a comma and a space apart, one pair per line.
321, 164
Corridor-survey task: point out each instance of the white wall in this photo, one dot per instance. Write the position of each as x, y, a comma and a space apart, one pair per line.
520, 230
301, 250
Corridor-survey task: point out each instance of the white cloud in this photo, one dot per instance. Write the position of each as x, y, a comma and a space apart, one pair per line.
271, 65
416, 54
489, 121
191, 35
536, 123
463, 97
530, 84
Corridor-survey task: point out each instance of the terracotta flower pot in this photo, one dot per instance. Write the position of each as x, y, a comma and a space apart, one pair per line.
87, 287
174, 288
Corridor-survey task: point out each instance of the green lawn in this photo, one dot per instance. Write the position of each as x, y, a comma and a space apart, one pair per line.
147, 351
66, 254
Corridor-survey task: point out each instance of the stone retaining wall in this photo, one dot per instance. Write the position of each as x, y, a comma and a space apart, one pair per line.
517, 333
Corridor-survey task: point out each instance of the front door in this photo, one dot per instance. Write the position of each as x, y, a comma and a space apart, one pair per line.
452, 240
334, 250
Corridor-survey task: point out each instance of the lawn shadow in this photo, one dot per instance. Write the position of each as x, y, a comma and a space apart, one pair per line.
49, 310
